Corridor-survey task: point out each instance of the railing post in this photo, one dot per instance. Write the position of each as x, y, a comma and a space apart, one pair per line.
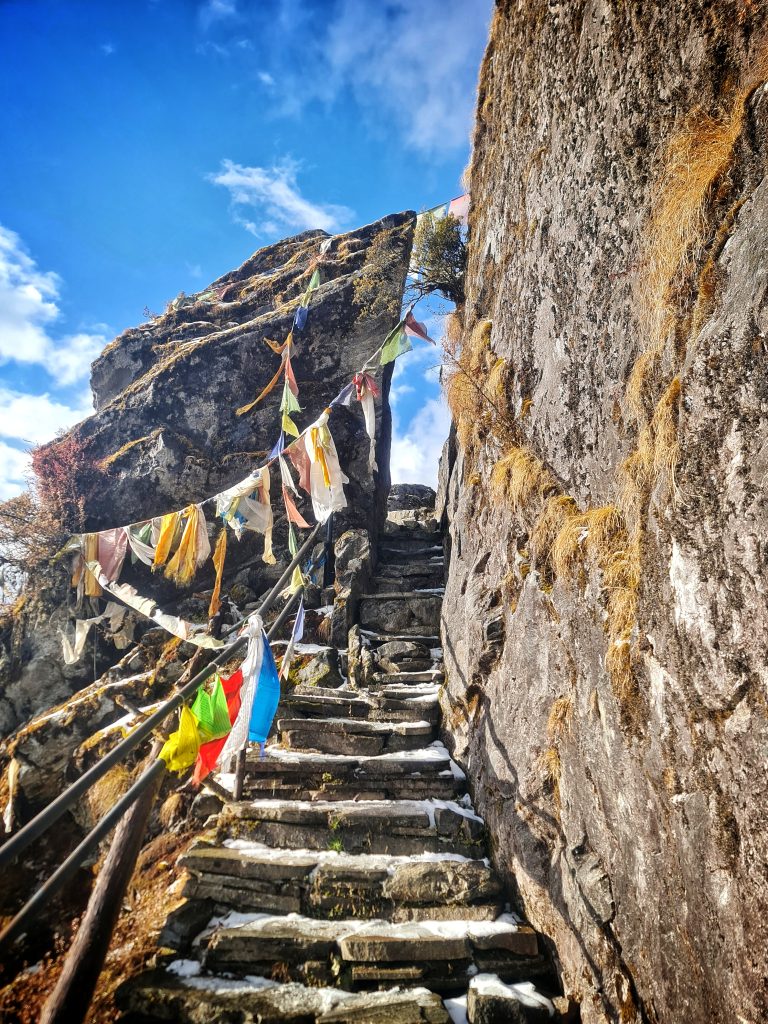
329, 563
69, 1001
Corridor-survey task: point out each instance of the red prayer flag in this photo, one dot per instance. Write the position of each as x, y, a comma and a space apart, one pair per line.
208, 754
293, 513
297, 453
416, 328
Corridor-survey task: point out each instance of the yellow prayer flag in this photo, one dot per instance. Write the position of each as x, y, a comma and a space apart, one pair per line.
219, 556
181, 747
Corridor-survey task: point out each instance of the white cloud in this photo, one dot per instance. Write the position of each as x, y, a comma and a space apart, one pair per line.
416, 453
412, 64
34, 419
107, 49
28, 308
274, 193
265, 78
14, 468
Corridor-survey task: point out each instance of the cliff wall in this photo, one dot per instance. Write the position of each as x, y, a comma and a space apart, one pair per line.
605, 621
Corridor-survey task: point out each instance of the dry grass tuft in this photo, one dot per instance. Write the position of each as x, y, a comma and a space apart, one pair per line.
556, 513
594, 534
560, 718
551, 768
105, 793
518, 477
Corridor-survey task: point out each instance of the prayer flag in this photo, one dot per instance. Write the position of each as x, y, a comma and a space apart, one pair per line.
219, 555
181, 748
210, 711
396, 343
209, 752
296, 635
279, 447
265, 699
300, 319
415, 328
459, 208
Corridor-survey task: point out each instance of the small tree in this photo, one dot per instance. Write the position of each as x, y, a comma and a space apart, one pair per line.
439, 257
29, 537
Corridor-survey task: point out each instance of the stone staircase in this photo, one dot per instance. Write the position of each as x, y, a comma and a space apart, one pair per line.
351, 883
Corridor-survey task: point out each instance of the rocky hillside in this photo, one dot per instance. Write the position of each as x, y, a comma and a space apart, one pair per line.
605, 618
165, 432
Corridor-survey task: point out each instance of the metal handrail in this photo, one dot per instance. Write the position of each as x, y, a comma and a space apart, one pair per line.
70, 866
61, 804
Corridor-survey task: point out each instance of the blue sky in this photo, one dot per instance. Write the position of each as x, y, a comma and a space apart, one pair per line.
148, 147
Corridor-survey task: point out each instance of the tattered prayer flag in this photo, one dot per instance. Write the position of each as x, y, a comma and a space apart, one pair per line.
91, 553
459, 208
181, 748
296, 635
210, 711
168, 526
247, 408
415, 328
300, 319
290, 377
219, 555
279, 447
289, 403
113, 545
209, 752
193, 550
298, 455
265, 699
289, 427
293, 543
293, 513
366, 391
396, 343
344, 397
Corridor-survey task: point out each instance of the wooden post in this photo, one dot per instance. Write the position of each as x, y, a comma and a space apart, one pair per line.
240, 772
70, 1000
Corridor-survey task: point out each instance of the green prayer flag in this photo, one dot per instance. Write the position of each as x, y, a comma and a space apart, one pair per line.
293, 544
396, 343
314, 281
289, 402
211, 712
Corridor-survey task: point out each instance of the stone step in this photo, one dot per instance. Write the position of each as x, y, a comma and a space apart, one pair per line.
353, 735
407, 614
428, 677
407, 540
196, 996
376, 709
416, 575
421, 773
398, 827
252, 877
376, 638
491, 1001
441, 954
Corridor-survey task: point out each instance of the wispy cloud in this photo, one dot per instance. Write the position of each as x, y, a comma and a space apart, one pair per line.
213, 11
266, 79
273, 193
416, 452
28, 310
107, 49
409, 66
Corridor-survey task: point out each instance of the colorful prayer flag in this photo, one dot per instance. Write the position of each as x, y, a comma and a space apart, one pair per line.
265, 699
181, 748
395, 344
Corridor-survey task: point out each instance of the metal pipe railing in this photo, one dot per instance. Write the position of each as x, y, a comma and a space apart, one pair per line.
70, 866
61, 804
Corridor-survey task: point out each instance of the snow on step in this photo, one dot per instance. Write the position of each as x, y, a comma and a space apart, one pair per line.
399, 827
321, 883
238, 941
490, 999
185, 994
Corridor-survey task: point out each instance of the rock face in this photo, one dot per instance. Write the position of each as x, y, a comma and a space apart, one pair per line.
605, 619
166, 393
166, 432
